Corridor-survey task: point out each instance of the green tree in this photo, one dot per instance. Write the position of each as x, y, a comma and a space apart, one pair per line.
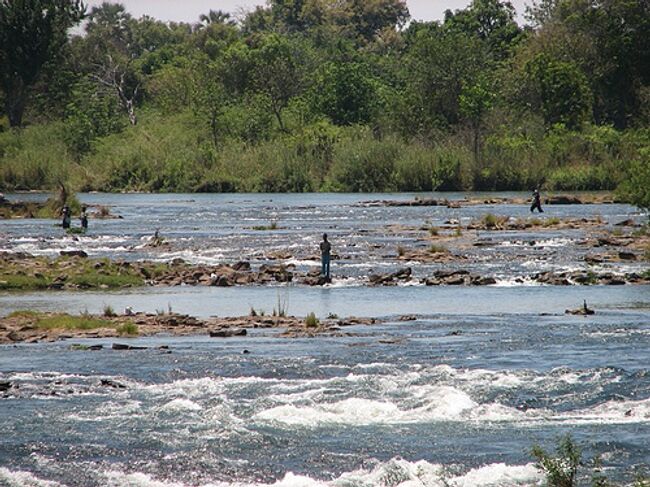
609, 41
437, 65
475, 101
208, 96
562, 90
345, 92
215, 17
370, 17
491, 21
278, 67
89, 115
32, 32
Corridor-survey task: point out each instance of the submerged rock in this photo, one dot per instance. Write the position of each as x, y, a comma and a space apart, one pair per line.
582, 311
403, 274
121, 346
228, 332
111, 383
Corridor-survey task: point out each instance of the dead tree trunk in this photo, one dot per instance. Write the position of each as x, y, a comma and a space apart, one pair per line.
114, 78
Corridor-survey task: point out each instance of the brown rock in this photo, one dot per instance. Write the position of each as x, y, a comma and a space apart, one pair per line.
242, 266
626, 256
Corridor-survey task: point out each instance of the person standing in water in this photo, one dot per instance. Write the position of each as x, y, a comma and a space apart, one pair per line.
325, 249
536, 202
84, 219
65, 223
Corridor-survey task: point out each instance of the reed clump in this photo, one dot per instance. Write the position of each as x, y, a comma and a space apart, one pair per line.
311, 321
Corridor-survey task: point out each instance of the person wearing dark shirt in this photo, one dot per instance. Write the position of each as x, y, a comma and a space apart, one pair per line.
66, 218
536, 202
325, 249
84, 218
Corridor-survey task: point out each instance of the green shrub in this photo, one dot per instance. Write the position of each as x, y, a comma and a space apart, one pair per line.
491, 220
129, 329
636, 187
438, 249
560, 470
109, 312
311, 321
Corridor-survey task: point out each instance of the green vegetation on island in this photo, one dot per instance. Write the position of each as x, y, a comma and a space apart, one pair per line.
69, 272
65, 321
328, 96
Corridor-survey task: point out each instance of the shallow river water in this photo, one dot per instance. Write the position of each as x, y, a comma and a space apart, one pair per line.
455, 397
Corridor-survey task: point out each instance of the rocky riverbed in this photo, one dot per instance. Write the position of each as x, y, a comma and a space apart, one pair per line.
35, 327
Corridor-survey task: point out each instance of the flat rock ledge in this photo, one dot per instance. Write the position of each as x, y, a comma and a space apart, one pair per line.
23, 328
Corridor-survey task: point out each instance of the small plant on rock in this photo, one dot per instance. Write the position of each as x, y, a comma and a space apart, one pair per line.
311, 321
109, 312
438, 249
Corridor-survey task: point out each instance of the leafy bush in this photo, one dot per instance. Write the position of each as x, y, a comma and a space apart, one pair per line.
636, 186
561, 470
129, 329
109, 312
311, 321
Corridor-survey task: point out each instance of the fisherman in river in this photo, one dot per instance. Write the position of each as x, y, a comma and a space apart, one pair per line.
84, 219
325, 248
536, 202
65, 223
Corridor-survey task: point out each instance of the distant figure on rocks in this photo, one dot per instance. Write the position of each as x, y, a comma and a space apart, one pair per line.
84, 218
65, 223
325, 249
536, 202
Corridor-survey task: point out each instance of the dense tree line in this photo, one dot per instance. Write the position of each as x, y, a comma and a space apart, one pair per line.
322, 94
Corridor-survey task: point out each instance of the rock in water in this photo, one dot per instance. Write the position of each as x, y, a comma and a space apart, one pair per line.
582, 311
228, 332
74, 253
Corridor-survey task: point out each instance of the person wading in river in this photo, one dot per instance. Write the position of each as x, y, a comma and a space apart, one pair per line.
66, 218
536, 202
84, 218
325, 249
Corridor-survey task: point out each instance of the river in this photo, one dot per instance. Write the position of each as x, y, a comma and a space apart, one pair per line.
456, 396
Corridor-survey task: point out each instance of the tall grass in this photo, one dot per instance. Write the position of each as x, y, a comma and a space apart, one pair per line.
175, 152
